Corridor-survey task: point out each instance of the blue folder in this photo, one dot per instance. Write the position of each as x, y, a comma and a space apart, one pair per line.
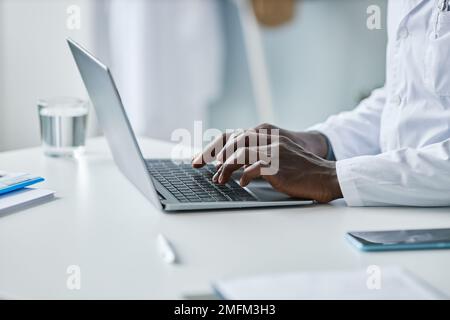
11, 182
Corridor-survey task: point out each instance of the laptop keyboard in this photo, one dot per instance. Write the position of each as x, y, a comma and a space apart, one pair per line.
195, 185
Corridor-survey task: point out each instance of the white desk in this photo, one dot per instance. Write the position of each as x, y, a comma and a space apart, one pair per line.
101, 223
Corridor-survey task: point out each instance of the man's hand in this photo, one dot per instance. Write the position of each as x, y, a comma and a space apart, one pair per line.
301, 173
313, 141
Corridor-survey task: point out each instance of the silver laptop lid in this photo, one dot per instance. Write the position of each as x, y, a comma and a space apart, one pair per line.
114, 121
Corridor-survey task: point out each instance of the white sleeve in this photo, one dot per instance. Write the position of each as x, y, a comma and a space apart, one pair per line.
357, 132
404, 177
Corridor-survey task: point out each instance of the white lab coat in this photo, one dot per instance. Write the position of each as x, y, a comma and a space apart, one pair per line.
394, 148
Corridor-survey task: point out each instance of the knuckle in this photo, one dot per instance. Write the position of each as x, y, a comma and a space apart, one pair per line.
265, 125
235, 136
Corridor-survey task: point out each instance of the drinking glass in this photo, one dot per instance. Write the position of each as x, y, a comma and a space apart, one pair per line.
63, 126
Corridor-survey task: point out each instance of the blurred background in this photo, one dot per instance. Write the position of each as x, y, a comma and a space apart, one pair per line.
176, 61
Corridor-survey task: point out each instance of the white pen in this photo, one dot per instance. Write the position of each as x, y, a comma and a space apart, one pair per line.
166, 250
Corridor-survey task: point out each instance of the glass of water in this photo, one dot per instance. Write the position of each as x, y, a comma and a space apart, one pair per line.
63, 126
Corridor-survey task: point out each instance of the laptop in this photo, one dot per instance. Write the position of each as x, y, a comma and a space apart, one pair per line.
169, 185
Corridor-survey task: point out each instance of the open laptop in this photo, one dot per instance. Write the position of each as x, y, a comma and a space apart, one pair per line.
169, 185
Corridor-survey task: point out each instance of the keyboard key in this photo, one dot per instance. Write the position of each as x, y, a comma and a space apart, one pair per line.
193, 185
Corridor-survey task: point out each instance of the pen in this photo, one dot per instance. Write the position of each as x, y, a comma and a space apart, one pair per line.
166, 249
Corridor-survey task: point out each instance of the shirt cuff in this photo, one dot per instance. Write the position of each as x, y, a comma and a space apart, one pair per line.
347, 182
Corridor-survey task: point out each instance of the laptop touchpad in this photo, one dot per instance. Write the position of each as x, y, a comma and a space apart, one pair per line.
263, 190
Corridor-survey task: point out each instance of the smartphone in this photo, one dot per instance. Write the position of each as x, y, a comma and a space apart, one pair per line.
400, 239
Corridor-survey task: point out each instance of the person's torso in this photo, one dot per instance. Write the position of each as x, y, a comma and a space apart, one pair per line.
417, 110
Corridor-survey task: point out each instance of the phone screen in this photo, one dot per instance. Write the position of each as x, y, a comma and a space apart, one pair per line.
399, 237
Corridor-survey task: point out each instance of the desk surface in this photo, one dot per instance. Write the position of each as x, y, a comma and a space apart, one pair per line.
100, 223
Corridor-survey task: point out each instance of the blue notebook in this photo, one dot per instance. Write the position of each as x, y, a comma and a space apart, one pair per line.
14, 181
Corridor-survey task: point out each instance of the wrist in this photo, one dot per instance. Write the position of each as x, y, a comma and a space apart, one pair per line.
316, 143
333, 182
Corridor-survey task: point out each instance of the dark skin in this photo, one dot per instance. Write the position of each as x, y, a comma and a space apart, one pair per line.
302, 170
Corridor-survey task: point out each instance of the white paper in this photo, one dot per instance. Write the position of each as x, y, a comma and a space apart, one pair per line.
394, 283
23, 197
11, 178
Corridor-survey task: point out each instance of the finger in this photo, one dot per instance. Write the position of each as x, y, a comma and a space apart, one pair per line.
233, 163
249, 138
215, 177
229, 147
227, 172
252, 172
208, 154
266, 128
243, 156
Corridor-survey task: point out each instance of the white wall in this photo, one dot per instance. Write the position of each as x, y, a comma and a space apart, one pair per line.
321, 63
35, 63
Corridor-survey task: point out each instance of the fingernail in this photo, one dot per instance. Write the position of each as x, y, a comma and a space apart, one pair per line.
215, 176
